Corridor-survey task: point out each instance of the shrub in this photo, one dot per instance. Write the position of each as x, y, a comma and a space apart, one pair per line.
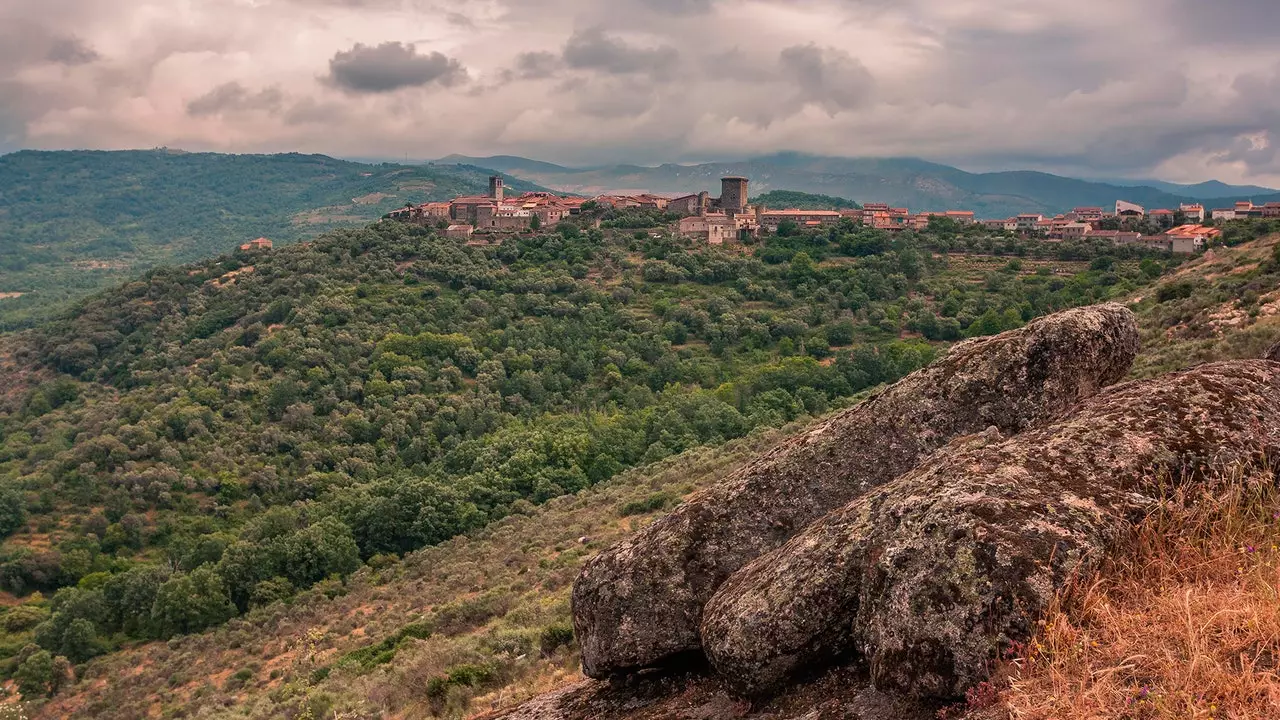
657, 501
23, 617
1174, 291
554, 637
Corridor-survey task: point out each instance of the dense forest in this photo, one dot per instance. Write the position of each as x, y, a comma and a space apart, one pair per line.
215, 437
74, 222
782, 199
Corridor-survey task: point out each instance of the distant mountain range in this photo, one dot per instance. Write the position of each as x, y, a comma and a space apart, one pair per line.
75, 221
909, 182
1205, 190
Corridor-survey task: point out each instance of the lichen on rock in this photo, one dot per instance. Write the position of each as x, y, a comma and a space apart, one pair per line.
926, 578
641, 602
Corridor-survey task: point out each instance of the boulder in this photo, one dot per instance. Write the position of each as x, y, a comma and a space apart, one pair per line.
926, 579
640, 603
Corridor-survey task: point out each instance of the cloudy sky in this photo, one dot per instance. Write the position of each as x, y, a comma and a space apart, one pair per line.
1182, 90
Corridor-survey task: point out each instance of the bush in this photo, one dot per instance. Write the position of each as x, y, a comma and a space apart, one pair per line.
657, 501
554, 637
466, 675
23, 617
1174, 291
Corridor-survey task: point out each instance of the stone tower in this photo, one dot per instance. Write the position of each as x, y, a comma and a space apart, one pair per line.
733, 194
495, 187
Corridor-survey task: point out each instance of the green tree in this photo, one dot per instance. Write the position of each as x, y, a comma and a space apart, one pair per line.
192, 602
13, 510
324, 548
34, 675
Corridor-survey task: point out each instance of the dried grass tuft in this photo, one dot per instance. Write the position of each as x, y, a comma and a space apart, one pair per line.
1184, 624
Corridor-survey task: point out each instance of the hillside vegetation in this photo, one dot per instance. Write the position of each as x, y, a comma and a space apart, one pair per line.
781, 199
246, 435
74, 222
481, 622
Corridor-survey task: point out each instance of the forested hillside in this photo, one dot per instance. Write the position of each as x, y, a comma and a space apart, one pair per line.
782, 199
217, 437
75, 222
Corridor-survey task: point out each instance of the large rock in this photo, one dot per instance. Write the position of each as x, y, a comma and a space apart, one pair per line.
641, 602
927, 578
1274, 353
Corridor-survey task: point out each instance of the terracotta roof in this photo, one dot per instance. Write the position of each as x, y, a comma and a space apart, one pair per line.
794, 211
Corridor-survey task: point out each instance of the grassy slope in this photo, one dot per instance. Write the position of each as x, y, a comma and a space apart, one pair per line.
493, 597
1232, 311
74, 222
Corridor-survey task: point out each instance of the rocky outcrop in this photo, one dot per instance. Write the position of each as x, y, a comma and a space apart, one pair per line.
842, 694
641, 602
925, 579
1274, 353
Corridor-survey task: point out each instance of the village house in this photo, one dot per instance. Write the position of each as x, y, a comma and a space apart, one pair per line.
690, 204
1187, 239
643, 201
436, 210
964, 217
1161, 216
1086, 214
256, 245
771, 219
1069, 230
1125, 209
1005, 225
711, 228
459, 232
1028, 222
1116, 237
1192, 211
1224, 213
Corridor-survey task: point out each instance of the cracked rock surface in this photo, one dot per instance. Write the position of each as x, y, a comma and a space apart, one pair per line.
924, 580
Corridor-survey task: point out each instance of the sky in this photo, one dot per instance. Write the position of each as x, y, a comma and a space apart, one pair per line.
1178, 90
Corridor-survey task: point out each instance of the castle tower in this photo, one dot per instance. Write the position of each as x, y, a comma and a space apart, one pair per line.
495, 187
733, 194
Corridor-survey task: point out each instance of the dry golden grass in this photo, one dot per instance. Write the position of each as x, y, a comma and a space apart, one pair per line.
1184, 624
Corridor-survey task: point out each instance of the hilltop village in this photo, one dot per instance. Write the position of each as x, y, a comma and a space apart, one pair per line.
732, 218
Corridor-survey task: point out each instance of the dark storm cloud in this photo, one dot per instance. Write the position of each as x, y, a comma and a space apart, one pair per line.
613, 98
391, 66
1043, 62
536, 65
71, 51
460, 20
827, 77
1226, 22
679, 7
592, 49
234, 97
